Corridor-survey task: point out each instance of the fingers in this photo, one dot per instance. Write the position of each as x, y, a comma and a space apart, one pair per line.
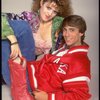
15, 52
20, 55
17, 60
37, 90
20, 61
23, 62
40, 95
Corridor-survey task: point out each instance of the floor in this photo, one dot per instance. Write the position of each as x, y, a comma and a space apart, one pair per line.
6, 94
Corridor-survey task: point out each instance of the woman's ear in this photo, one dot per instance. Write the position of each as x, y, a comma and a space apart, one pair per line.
41, 3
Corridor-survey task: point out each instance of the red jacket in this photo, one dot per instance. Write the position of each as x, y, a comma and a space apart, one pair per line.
64, 75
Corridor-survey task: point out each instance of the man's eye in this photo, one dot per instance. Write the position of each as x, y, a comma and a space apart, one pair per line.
71, 30
65, 30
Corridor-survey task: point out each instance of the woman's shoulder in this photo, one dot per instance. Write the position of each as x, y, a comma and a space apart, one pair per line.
57, 22
29, 15
58, 19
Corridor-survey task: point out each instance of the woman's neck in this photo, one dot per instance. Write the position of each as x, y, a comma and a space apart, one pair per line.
43, 23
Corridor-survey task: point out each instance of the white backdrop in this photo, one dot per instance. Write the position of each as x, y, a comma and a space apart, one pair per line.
89, 9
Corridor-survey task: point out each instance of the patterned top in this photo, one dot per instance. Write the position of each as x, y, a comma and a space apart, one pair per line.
6, 29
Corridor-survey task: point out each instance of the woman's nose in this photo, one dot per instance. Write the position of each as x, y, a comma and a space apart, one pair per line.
50, 12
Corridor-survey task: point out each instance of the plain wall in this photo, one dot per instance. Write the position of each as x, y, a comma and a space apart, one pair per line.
89, 9
16, 6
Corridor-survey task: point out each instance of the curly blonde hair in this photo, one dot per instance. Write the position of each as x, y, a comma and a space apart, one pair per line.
65, 7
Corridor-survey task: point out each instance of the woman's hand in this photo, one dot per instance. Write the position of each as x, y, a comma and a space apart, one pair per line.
40, 95
15, 50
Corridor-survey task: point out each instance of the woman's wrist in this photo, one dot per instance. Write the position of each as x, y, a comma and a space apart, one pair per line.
14, 43
12, 39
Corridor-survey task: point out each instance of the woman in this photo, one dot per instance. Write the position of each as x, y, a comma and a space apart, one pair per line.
62, 75
48, 23
45, 19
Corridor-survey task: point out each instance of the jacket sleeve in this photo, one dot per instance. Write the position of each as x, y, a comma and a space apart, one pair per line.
6, 29
72, 91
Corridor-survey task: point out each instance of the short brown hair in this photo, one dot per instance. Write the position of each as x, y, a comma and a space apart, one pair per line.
75, 21
65, 7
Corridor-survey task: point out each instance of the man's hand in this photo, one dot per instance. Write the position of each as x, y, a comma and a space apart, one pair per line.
40, 95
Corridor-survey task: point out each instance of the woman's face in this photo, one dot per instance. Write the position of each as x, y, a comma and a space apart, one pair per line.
48, 11
72, 36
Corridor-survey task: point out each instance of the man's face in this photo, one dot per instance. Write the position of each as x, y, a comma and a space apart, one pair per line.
48, 11
72, 36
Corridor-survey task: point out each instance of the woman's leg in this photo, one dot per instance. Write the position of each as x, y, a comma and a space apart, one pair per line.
19, 89
25, 39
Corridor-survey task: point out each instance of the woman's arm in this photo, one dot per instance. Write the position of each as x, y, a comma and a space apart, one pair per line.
6, 29
7, 33
15, 50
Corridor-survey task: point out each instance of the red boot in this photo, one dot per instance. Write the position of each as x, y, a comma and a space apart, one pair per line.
19, 89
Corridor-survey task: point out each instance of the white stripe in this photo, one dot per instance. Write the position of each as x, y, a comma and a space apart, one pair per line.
53, 96
78, 50
81, 78
62, 53
57, 50
34, 78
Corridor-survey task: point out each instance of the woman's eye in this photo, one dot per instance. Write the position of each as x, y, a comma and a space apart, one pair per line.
55, 12
48, 8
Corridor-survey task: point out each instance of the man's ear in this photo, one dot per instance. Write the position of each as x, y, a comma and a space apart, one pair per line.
41, 3
81, 34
